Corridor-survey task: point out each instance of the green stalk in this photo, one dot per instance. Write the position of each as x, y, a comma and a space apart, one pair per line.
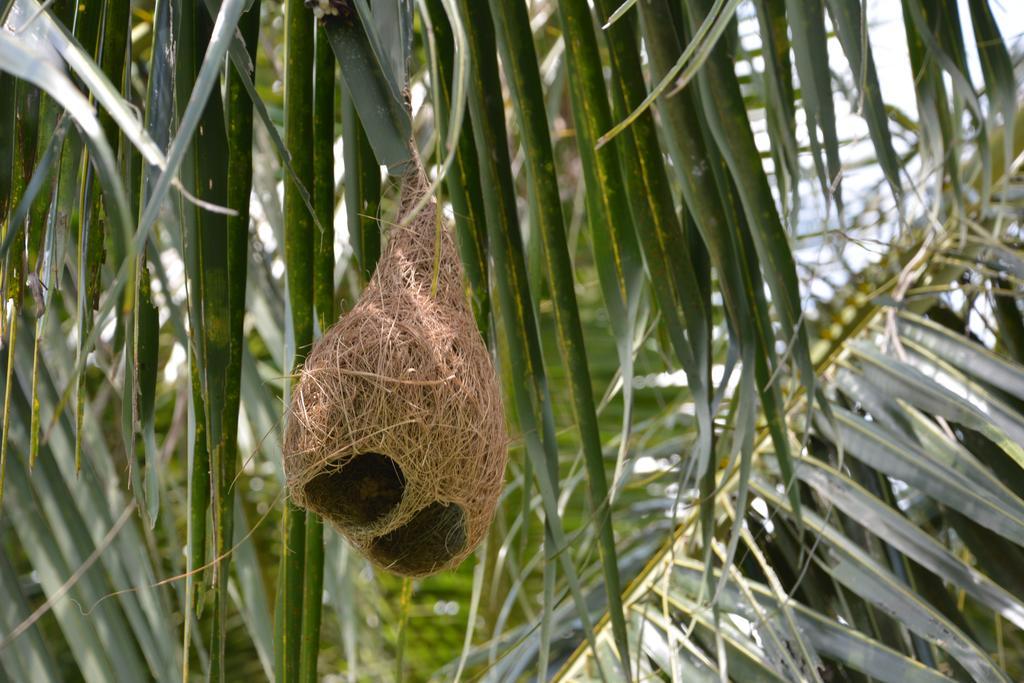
403, 626
67, 209
137, 324
90, 264
12, 336
49, 110
323, 180
205, 247
8, 178
116, 27
37, 231
300, 269
90, 230
143, 345
141, 338
323, 299
25, 132
198, 503
231, 252
7, 109
515, 40
362, 190
288, 608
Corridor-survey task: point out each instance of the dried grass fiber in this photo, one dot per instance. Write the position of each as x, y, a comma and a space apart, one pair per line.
396, 432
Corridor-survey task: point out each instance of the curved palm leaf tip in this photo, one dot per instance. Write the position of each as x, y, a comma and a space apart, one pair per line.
899, 562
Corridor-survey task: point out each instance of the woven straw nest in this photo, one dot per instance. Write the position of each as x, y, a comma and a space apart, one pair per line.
396, 432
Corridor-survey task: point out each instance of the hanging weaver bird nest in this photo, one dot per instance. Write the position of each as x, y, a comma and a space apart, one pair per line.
396, 432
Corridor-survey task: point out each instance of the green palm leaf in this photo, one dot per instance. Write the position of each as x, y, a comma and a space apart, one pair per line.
752, 438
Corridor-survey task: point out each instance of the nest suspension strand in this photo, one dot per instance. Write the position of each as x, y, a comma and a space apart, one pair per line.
396, 432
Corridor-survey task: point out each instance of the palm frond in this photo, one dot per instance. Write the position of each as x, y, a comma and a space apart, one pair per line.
751, 274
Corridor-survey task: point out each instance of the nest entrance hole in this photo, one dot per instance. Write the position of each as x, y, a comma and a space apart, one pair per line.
362, 491
435, 535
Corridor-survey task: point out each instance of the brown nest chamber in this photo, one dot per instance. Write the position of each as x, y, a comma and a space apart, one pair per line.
396, 432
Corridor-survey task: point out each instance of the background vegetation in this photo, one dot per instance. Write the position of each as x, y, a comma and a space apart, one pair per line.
751, 271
